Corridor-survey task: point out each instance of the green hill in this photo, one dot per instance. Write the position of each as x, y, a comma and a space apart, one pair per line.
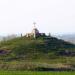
32, 48
48, 50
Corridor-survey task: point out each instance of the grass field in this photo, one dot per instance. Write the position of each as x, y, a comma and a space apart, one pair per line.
34, 73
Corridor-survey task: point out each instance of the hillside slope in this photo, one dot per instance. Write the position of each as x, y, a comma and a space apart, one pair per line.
32, 48
43, 53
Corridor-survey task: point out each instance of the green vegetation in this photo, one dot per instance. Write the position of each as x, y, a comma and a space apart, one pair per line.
42, 53
34, 73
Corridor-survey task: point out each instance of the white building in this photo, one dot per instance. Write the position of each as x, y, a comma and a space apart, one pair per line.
35, 33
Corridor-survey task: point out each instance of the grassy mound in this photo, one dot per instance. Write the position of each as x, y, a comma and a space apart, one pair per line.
44, 50
35, 48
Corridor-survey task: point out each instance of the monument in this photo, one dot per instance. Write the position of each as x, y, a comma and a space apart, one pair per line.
35, 32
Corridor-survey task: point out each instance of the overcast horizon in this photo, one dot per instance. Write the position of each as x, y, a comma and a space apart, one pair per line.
51, 16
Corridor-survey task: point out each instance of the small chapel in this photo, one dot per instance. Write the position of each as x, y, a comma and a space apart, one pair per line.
35, 33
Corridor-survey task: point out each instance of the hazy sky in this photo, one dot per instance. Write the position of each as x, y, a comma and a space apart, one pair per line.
54, 16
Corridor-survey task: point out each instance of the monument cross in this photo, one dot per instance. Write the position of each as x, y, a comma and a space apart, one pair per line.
34, 24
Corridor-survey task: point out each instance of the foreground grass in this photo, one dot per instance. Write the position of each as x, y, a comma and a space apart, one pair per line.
34, 73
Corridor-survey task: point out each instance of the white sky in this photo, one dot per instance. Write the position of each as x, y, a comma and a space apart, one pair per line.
54, 16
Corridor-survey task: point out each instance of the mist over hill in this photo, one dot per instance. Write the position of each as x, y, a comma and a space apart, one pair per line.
9, 37
67, 37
